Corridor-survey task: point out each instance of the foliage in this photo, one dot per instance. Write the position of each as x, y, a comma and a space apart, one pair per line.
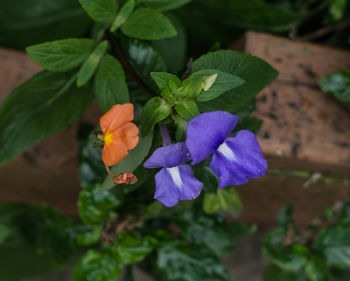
119, 51
320, 253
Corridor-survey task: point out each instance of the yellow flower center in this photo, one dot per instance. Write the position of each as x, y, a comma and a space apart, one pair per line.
108, 138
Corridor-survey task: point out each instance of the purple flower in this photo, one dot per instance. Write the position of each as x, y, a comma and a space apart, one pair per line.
236, 159
174, 181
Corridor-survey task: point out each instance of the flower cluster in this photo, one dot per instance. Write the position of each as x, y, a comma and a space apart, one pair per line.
235, 159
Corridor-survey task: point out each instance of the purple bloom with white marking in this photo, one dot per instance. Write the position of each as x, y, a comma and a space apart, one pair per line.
175, 181
236, 159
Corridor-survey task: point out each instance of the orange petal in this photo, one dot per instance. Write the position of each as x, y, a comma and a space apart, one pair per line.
128, 134
114, 153
117, 116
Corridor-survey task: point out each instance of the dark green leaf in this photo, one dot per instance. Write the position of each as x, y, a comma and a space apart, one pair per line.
248, 123
61, 55
344, 217
41, 107
188, 109
90, 65
226, 199
164, 5
130, 162
92, 237
163, 79
91, 167
223, 83
316, 269
155, 110
97, 265
254, 15
212, 232
131, 249
182, 263
100, 10
95, 206
123, 15
292, 257
253, 70
285, 217
5, 232
338, 84
110, 85
173, 50
334, 243
29, 22
274, 273
148, 24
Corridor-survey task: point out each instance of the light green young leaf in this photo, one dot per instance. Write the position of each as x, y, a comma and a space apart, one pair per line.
123, 15
256, 73
38, 109
164, 5
130, 162
226, 199
91, 237
100, 10
163, 79
110, 86
88, 68
188, 109
154, 111
223, 83
61, 55
148, 24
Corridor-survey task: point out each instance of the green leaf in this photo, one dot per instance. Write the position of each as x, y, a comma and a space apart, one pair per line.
110, 86
123, 15
316, 269
92, 237
248, 123
179, 262
38, 109
291, 258
61, 55
91, 168
154, 111
223, 83
29, 22
173, 50
344, 216
5, 232
188, 109
334, 243
254, 15
163, 79
100, 10
220, 237
90, 65
164, 5
148, 24
253, 70
285, 217
226, 199
97, 265
96, 206
337, 9
274, 273
338, 84
131, 249
130, 162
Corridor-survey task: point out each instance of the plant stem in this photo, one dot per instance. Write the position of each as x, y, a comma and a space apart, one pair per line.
165, 134
126, 64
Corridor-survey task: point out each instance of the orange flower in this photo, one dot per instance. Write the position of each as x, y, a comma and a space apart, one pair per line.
119, 134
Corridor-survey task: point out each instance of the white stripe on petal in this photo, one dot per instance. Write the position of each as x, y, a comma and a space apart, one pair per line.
227, 152
175, 176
